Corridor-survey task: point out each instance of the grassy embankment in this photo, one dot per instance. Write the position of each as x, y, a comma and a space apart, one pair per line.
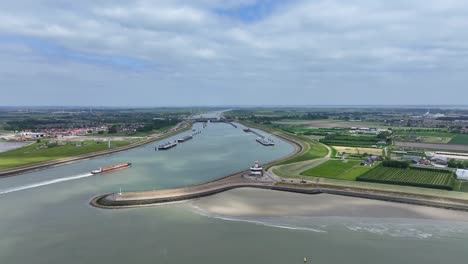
39, 152
312, 150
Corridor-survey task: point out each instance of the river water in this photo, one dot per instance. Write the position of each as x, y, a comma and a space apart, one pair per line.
46, 218
6, 145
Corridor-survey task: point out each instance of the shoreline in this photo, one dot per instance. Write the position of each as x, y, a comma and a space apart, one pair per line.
236, 180
49, 164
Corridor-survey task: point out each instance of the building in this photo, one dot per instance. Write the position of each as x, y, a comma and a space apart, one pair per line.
256, 169
371, 160
462, 174
413, 159
439, 161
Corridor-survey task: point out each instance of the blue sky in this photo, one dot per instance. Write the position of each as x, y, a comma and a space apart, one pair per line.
234, 52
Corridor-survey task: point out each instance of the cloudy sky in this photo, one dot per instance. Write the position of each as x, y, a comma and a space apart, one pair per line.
237, 52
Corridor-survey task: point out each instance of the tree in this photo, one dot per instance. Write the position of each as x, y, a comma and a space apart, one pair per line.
112, 130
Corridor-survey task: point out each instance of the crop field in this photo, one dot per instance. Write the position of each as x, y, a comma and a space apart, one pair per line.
422, 133
337, 169
355, 150
460, 139
420, 145
329, 123
438, 179
350, 140
424, 139
463, 186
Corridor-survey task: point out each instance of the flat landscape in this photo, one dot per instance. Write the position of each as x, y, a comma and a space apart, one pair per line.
39, 152
327, 123
338, 169
438, 179
432, 146
460, 139
360, 151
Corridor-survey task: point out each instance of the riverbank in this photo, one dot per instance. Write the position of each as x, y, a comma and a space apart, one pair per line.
409, 195
235, 180
43, 165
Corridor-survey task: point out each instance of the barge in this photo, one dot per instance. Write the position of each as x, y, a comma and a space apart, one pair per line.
167, 146
116, 167
265, 142
186, 138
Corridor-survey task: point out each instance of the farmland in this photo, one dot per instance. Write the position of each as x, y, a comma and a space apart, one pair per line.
460, 139
337, 169
432, 146
463, 186
419, 177
424, 139
360, 151
351, 140
328, 123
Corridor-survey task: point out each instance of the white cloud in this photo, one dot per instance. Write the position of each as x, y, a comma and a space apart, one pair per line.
301, 44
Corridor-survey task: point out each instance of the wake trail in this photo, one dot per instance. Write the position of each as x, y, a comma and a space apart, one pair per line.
44, 183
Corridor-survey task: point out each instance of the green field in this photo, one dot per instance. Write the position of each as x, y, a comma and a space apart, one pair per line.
337, 169
38, 152
411, 177
463, 186
422, 133
351, 140
424, 139
460, 139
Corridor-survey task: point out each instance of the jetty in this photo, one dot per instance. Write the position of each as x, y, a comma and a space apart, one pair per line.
151, 198
249, 130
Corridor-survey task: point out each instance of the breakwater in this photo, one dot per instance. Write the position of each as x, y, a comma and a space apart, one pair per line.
140, 199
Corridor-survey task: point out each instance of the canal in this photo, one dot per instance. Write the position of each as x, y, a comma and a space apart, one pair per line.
46, 218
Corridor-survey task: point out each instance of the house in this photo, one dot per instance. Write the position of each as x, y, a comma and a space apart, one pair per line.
424, 161
371, 160
462, 174
413, 159
438, 160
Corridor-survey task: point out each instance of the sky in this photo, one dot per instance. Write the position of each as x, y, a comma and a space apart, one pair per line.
233, 52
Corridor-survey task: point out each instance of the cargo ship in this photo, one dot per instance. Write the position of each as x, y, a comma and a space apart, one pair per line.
186, 138
167, 146
265, 142
116, 167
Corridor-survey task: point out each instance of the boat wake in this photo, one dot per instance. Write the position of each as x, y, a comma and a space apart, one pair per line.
397, 228
263, 222
44, 183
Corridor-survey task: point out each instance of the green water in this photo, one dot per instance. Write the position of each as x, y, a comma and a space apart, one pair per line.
46, 222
